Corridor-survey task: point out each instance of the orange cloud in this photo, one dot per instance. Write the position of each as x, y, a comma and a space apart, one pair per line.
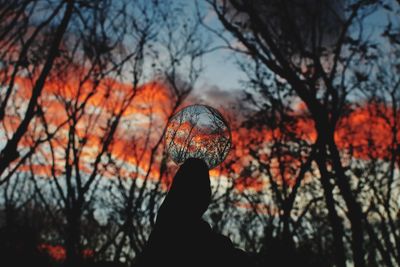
365, 132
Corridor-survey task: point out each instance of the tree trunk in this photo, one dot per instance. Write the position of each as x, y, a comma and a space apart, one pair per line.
10, 151
355, 213
335, 221
325, 131
72, 238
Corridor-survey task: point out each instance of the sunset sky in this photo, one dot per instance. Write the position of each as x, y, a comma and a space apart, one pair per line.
219, 85
88, 89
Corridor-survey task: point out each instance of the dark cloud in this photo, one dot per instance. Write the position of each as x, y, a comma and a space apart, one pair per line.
215, 96
227, 101
293, 24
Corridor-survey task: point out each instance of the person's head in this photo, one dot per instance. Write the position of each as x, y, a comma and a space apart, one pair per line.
190, 192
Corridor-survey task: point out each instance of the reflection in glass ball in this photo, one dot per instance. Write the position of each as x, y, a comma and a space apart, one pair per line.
198, 131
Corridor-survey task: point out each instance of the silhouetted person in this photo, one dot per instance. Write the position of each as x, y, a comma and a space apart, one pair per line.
180, 236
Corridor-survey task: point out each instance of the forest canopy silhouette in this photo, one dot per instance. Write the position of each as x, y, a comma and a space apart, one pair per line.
87, 89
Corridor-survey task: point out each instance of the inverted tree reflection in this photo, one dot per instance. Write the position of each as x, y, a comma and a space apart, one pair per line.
198, 131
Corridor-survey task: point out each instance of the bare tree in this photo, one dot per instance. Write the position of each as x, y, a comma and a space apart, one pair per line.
109, 63
16, 36
310, 45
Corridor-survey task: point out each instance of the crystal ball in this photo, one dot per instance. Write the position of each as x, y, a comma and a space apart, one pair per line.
198, 131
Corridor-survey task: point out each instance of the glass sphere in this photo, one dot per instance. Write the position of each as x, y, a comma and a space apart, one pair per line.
198, 131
